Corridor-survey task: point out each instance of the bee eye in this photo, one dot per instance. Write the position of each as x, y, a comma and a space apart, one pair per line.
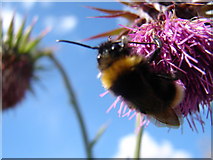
115, 47
98, 56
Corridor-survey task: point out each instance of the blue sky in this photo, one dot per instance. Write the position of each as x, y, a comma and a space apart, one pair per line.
45, 126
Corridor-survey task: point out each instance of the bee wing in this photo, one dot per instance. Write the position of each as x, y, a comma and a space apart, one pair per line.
168, 117
157, 109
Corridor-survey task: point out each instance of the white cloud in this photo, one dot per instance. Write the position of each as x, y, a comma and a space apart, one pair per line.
7, 15
28, 4
205, 145
45, 4
61, 24
68, 23
150, 148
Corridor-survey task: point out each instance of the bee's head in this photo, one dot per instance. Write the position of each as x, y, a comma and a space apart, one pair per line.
110, 51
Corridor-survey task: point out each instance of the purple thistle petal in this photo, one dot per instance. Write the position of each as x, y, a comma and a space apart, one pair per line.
133, 115
120, 109
113, 104
127, 113
103, 94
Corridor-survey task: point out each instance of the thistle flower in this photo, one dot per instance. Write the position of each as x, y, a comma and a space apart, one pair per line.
19, 54
146, 12
187, 52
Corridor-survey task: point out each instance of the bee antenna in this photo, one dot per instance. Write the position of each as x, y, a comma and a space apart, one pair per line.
141, 42
80, 44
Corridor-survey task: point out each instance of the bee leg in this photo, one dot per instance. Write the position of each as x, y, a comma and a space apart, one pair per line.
158, 43
124, 41
169, 77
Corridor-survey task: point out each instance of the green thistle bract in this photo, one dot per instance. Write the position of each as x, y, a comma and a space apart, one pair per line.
19, 54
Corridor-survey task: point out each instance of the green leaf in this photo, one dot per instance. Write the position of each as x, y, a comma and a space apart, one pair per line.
19, 34
41, 53
25, 38
100, 132
31, 45
1, 34
10, 31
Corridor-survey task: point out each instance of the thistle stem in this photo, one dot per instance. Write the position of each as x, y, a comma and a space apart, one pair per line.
138, 140
75, 105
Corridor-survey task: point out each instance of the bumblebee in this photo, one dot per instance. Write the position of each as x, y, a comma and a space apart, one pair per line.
131, 76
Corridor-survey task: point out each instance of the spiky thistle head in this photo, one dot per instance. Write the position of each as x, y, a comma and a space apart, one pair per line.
187, 50
144, 12
19, 52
